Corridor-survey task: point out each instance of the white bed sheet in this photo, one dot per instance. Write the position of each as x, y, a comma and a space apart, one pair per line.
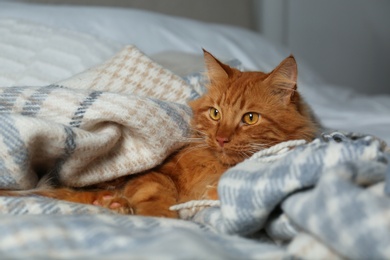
338, 108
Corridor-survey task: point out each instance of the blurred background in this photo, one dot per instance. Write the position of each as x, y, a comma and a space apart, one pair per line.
346, 42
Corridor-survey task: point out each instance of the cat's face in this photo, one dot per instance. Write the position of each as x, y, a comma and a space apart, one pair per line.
244, 112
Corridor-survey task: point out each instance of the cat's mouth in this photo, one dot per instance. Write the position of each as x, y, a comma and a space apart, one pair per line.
228, 157
229, 154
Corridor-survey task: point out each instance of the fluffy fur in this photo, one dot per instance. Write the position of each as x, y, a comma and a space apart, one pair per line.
241, 113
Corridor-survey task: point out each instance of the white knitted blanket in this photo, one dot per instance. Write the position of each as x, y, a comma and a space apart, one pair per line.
119, 118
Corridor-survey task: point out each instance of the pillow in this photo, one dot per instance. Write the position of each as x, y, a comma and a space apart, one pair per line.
34, 55
153, 33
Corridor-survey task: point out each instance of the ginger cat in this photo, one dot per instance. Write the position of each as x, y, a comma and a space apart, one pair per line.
241, 113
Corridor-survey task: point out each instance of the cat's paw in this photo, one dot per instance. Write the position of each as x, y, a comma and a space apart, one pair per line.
117, 204
211, 193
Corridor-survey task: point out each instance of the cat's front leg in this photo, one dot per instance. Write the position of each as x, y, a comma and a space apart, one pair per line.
211, 192
110, 199
211, 189
113, 202
152, 194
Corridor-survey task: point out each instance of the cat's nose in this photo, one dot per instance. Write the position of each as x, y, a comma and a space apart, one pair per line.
222, 140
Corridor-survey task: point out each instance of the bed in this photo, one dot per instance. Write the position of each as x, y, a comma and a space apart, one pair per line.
75, 83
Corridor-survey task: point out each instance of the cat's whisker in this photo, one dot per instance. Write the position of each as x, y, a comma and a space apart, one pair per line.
195, 137
186, 139
192, 140
261, 146
198, 132
250, 149
244, 155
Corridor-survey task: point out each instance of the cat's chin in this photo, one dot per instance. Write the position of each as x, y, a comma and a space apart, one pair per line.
228, 159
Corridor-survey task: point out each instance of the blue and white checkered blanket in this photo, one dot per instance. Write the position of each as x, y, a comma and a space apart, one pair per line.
324, 199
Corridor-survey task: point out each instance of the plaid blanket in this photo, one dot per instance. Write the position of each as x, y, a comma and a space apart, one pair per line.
324, 199
108, 122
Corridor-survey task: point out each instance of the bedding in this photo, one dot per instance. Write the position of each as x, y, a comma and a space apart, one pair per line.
338, 107
73, 93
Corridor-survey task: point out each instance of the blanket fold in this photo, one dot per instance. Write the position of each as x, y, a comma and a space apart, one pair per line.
347, 217
324, 188
100, 125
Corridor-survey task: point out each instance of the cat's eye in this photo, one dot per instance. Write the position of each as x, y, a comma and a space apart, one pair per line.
215, 114
250, 118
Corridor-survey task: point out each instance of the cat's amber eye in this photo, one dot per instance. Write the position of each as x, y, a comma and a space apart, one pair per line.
250, 118
215, 114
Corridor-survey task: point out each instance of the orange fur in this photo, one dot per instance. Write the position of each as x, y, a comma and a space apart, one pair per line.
217, 144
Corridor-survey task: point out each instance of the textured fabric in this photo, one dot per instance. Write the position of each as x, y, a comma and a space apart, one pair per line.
324, 199
111, 125
327, 198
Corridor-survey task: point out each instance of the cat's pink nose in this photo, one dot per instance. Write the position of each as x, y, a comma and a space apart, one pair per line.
222, 140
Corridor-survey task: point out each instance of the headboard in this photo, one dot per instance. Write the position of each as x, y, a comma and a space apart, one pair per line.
232, 12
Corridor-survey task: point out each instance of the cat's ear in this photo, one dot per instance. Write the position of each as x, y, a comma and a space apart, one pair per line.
216, 70
283, 79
